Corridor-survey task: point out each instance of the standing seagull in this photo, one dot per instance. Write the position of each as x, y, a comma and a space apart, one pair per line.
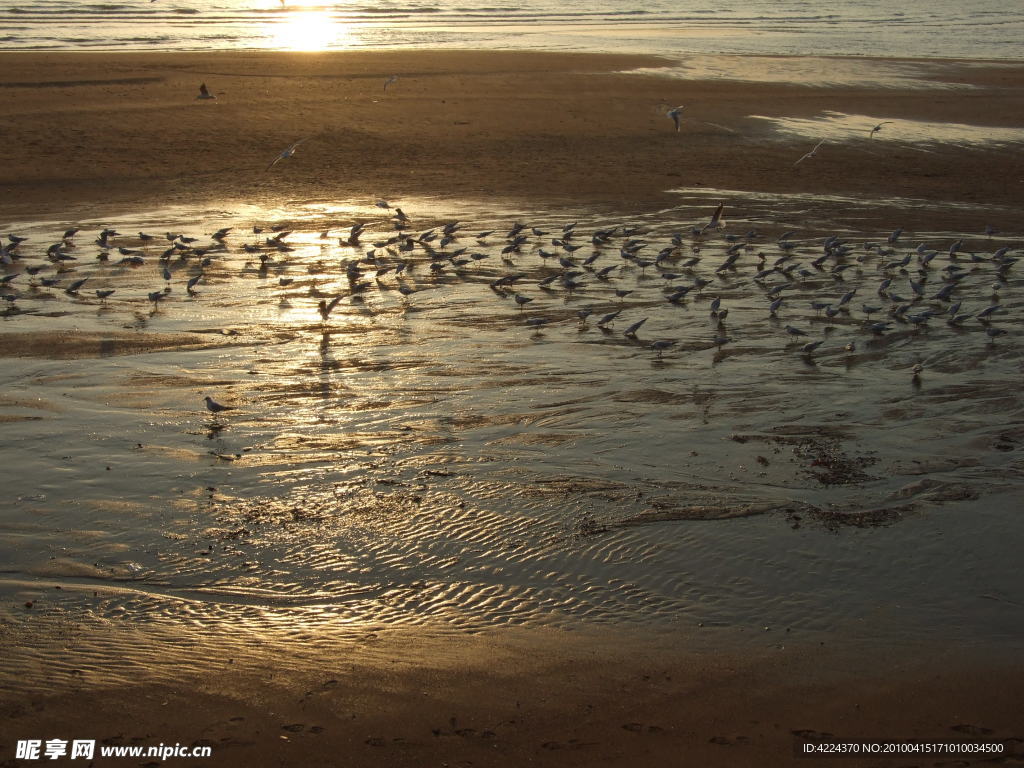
285, 154
214, 407
630, 333
661, 345
809, 155
204, 92
675, 114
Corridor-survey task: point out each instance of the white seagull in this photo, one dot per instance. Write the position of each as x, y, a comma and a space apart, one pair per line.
390, 81
285, 154
809, 155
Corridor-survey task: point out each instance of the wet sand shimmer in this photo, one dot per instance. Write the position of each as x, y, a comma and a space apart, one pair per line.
100, 133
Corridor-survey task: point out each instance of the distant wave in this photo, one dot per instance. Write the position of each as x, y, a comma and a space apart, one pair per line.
870, 27
369, 9
86, 12
504, 11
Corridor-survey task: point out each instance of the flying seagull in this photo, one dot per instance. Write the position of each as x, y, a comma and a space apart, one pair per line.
877, 128
717, 222
204, 92
285, 154
809, 155
325, 308
389, 81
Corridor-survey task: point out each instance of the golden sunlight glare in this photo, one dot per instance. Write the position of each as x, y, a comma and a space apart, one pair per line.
308, 31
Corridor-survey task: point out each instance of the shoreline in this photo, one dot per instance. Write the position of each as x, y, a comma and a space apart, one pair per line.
398, 51
520, 125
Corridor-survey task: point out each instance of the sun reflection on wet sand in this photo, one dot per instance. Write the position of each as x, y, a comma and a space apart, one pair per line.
839, 126
813, 71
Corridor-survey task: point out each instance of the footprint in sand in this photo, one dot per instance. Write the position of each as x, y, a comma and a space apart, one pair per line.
641, 728
377, 741
299, 727
325, 687
727, 741
466, 733
973, 730
807, 733
570, 744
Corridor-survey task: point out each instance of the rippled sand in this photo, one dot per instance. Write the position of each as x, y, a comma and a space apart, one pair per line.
437, 461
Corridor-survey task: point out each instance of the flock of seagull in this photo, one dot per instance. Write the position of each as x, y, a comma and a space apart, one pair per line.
913, 290
873, 286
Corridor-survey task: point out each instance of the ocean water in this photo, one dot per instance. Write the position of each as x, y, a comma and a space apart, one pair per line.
986, 29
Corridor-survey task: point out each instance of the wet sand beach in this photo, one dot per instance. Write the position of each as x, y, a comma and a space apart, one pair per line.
455, 521
536, 698
126, 129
